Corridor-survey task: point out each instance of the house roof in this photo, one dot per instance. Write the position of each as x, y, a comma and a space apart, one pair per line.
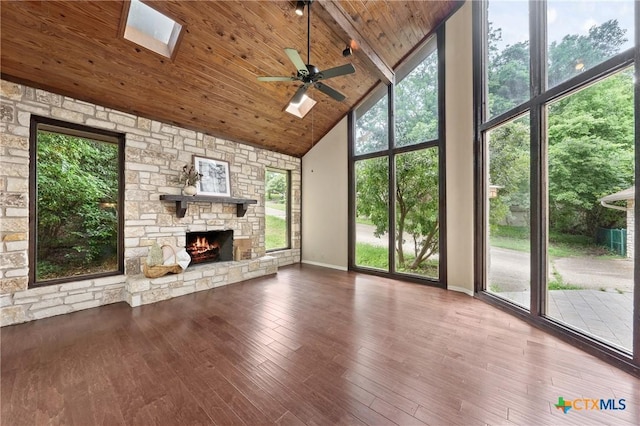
627, 194
77, 49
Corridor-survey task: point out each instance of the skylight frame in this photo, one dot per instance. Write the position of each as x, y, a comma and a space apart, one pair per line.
147, 41
302, 108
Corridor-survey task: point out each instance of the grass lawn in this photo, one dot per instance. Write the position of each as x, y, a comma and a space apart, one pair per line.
276, 206
275, 233
378, 257
364, 221
560, 245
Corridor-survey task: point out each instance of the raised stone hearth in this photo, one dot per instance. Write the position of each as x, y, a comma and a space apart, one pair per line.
140, 290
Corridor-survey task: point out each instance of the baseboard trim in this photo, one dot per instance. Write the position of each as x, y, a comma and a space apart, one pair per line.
325, 265
460, 290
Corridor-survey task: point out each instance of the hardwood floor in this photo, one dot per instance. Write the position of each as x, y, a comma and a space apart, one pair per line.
307, 346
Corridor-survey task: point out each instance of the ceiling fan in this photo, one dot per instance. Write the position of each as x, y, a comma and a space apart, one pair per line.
309, 74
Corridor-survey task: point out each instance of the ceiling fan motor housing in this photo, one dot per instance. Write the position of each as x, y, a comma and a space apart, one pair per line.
311, 71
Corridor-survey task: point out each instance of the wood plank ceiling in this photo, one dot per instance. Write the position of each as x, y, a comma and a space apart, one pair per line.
74, 48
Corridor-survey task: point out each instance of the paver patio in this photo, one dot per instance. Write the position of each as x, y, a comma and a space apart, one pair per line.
607, 315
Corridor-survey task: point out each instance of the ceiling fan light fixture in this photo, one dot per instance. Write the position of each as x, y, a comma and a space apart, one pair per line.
300, 7
348, 51
301, 108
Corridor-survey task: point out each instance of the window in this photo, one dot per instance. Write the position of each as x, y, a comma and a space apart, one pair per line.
417, 103
151, 29
557, 176
417, 211
398, 197
277, 209
372, 123
507, 64
76, 201
591, 150
508, 238
584, 34
372, 213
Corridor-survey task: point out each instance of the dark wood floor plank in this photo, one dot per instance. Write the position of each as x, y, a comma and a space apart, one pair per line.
309, 346
322, 402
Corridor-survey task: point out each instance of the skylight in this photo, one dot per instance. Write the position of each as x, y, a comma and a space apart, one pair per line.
151, 29
302, 108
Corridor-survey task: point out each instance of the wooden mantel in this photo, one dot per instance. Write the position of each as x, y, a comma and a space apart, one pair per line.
181, 201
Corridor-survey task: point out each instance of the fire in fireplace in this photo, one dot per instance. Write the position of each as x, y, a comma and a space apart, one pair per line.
210, 246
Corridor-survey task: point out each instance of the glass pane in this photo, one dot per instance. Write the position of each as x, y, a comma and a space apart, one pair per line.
372, 128
591, 160
508, 55
417, 213
372, 213
151, 22
276, 208
417, 104
509, 211
583, 34
77, 205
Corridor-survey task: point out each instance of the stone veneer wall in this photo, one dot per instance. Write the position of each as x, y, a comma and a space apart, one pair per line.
154, 152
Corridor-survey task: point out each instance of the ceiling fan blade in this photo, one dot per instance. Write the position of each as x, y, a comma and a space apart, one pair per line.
273, 78
294, 56
338, 71
331, 92
297, 97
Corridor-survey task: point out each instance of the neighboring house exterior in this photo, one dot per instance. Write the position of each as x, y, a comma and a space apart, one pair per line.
628, 195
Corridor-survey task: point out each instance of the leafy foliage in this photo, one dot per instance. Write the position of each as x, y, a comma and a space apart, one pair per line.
276, 185
77, 181
416, 172
416, 201
372, 128
590, 132
575, 53
509, 169
417, 104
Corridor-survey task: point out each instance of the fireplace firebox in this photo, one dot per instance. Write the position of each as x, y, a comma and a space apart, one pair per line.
210, 246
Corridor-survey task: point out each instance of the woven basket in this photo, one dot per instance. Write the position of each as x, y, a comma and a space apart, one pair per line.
157, 271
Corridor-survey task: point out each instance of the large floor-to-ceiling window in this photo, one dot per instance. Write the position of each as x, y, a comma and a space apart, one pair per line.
557, 111
397, 174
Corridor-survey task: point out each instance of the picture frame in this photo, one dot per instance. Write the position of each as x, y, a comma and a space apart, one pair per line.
215, 177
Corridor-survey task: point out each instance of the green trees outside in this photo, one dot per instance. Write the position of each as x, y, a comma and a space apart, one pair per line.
416, 172
509, 164
590, 133
276, 186
591, 154
276, 227
590, 144
77, 195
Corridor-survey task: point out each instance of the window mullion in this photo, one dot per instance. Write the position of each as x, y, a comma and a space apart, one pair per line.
392, 177
537, 27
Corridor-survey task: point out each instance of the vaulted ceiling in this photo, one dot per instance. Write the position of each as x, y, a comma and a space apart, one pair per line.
74, 48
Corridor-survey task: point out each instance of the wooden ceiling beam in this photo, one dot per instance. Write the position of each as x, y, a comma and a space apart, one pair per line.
342, 19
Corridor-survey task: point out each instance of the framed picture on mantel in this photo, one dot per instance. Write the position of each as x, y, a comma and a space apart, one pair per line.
215, 177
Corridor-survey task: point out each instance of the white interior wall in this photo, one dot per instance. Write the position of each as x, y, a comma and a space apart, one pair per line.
459, 149
324, 200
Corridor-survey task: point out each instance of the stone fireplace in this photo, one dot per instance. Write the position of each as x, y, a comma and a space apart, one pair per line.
210, 246
154, 154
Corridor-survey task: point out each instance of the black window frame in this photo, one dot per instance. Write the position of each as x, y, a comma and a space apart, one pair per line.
540, 97
38, 123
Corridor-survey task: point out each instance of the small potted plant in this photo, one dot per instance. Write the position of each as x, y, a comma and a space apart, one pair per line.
189, 176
